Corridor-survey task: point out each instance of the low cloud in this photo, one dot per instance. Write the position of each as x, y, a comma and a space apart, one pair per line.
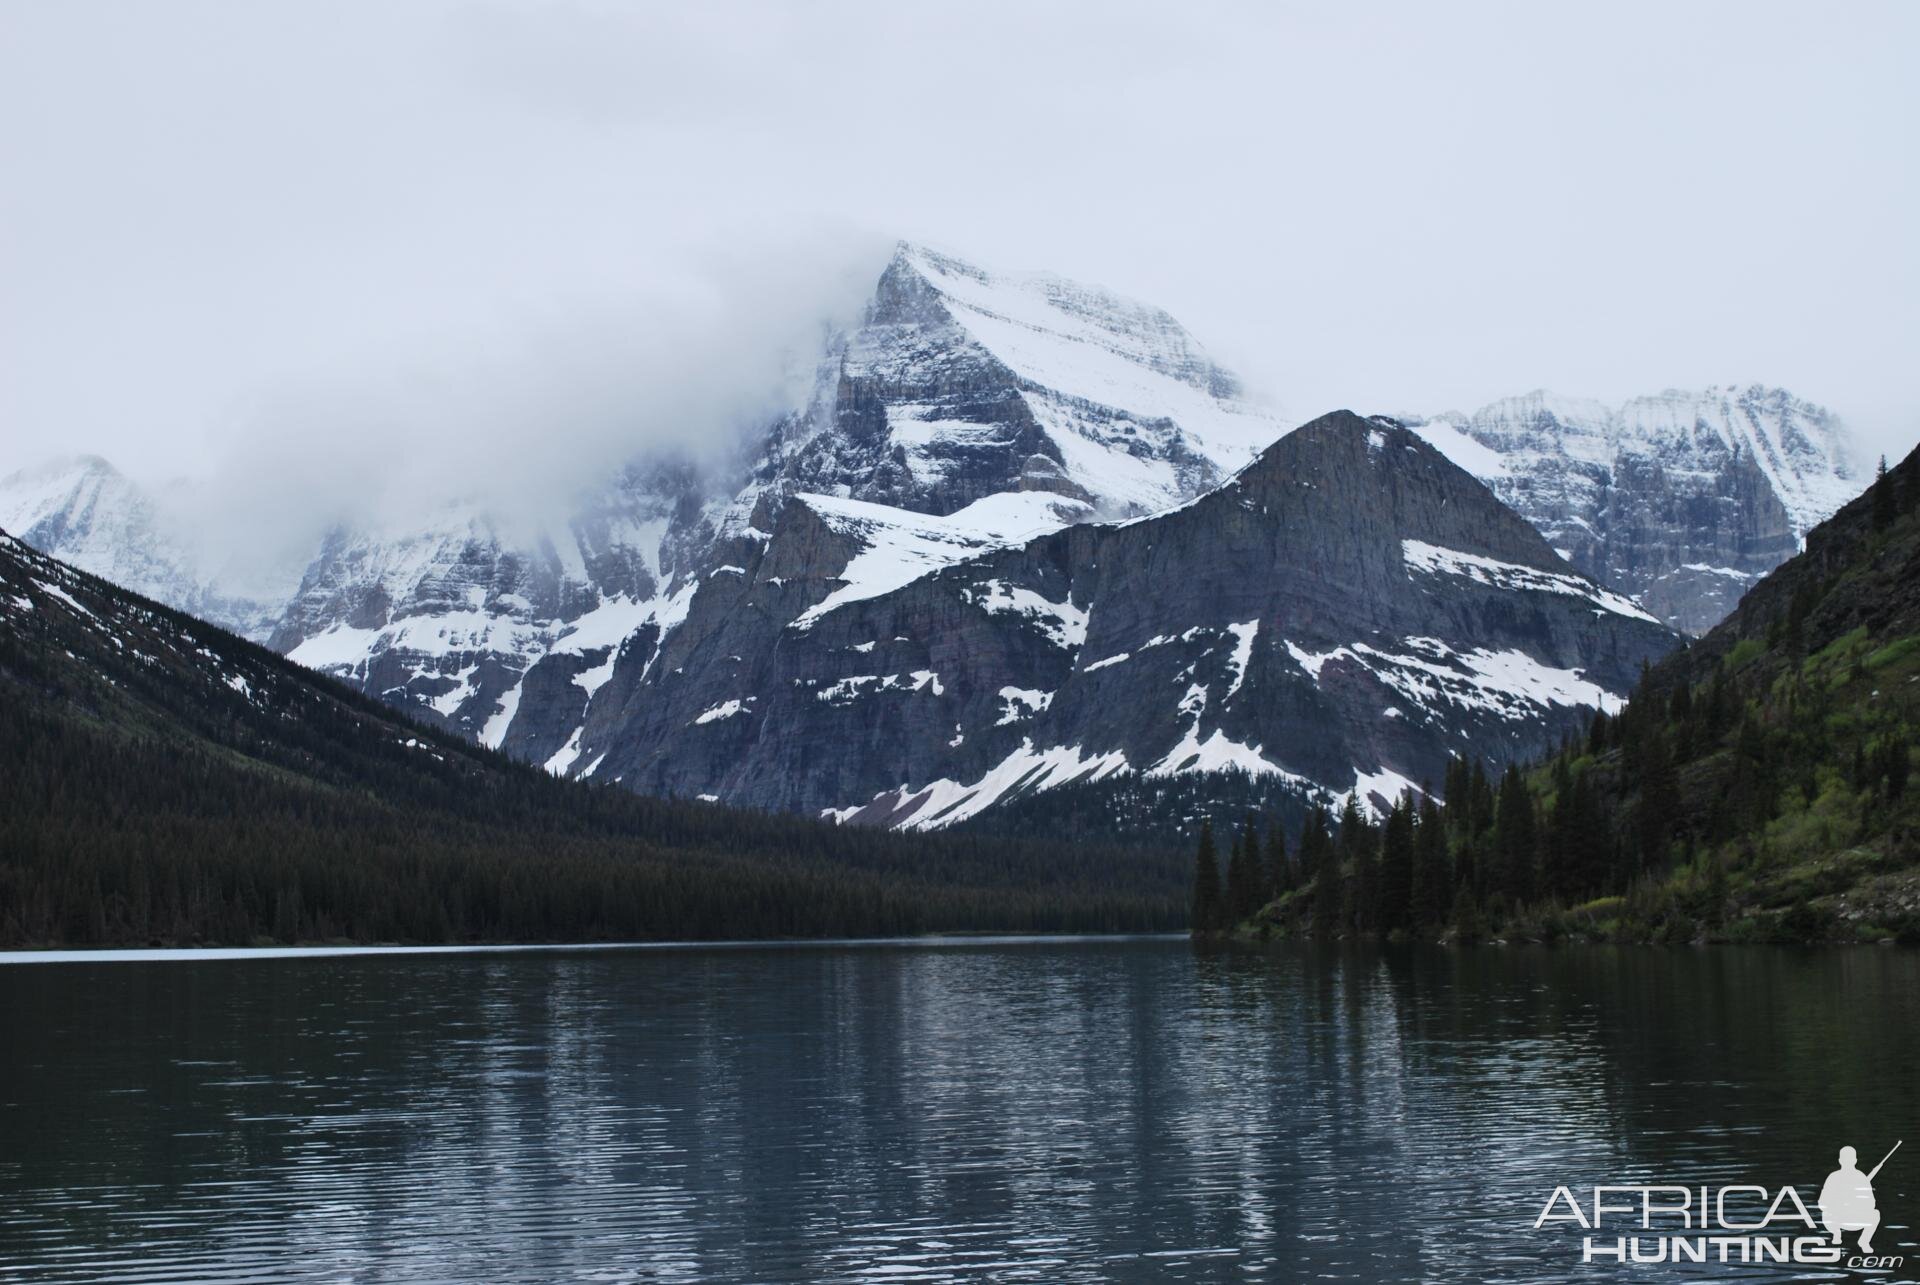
527, 412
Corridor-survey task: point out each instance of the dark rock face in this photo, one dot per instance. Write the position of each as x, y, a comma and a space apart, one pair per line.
1347, 612
959, 384
883, 606
1681, 500
445, 619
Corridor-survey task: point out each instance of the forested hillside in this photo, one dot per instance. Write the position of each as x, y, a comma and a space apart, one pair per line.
1756, 787
164, 781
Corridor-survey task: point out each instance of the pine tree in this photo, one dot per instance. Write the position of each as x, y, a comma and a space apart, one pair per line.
1280, 879
1356, 862
1259, 877
1393, 903
1457, 785
1207, 909
1598, 733
1659, 800
1516, 841
1556, 867
1432, 870
1316, 873
1479, 801
1719, 709
1884, 502
1241, 892
1589, 839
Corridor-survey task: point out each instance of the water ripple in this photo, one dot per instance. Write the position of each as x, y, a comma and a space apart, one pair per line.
1018, 1111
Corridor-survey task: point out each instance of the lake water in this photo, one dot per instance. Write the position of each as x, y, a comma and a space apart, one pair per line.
1080, 1110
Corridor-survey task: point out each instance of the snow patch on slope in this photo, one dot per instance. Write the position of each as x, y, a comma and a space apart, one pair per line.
1430, 674
1026, 770
901, 546
1434, 560
1476, 458
1062, 622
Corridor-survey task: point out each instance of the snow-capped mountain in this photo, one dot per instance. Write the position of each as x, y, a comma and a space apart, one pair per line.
83, 511
1020, 532
1007, 404
1344, 614
1014, 403
445, 617
961, 383
1681, 500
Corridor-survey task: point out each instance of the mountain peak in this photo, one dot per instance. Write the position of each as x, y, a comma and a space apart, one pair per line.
1371, 474
963, 381
1681, 498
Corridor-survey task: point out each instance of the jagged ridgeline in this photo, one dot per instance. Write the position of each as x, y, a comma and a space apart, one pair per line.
1681, 500
1755, 788
164, 781
780, 628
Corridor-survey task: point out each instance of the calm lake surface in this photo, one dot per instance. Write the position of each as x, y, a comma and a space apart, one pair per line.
1053, 1111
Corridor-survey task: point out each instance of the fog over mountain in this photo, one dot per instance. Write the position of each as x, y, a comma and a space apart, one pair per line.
309, 252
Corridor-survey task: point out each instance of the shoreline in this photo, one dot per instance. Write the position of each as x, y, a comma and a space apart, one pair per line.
225, 954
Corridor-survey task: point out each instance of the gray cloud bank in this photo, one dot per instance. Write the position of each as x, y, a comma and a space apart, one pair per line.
333, 254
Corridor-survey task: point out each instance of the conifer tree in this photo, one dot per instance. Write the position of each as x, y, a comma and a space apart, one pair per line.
1432, 871
1206, 883
1598, 731
1479, 801
1456, 791
1280, 877
1659, 800
1356, 862
1316, 869
1515, 838
1241, 892
1884, 502
1393, 902
1259, 878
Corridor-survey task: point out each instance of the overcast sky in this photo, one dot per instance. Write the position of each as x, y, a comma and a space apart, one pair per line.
347, 237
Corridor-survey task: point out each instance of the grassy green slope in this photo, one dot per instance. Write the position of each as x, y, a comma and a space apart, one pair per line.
1755, 788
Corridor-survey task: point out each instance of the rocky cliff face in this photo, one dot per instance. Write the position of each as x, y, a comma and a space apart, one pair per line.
1041, 399
884, 605
1344, 614
445, 618
958, 387
1681, 500
961, 383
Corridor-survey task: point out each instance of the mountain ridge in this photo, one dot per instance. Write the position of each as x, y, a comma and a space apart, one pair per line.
1682, 499
1003, 671
967, 412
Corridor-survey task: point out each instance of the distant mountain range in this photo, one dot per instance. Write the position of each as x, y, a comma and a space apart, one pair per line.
1035, 503
1680, 500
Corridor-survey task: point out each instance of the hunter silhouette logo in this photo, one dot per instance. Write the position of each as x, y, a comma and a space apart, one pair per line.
1744, 1223
1846, 1201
